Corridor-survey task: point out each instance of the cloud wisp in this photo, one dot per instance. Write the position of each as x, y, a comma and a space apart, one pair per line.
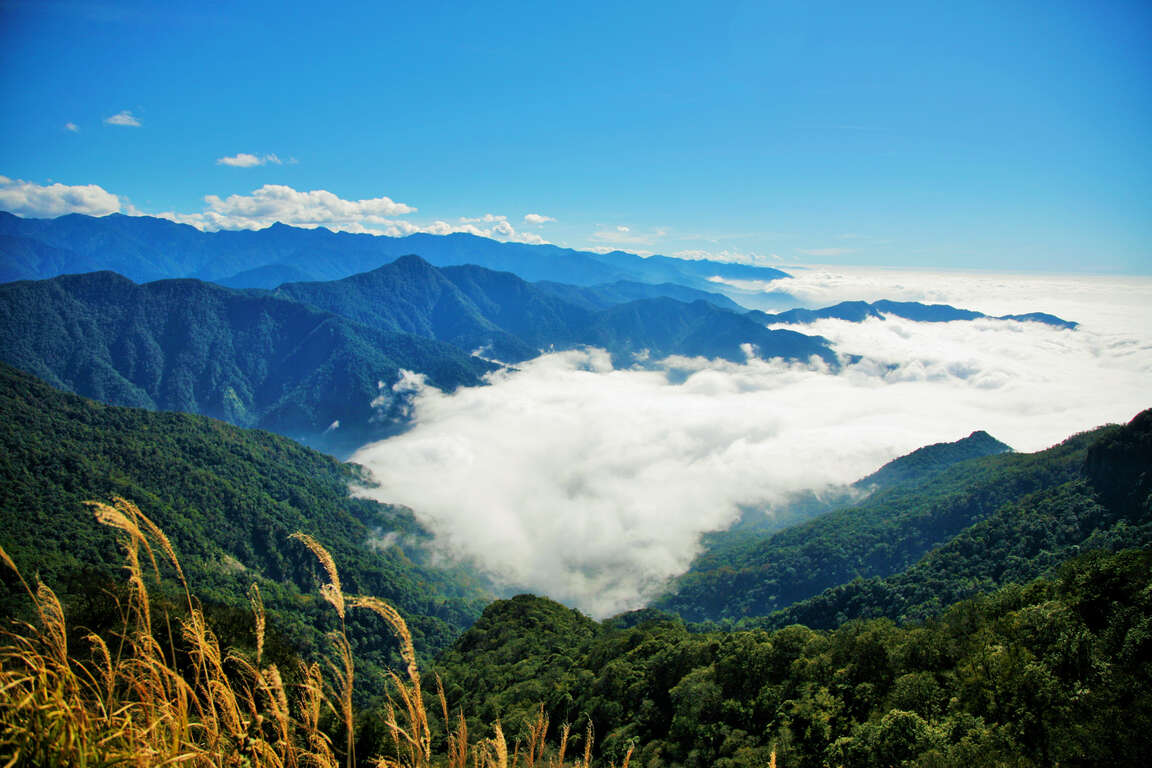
246, 160
124, 118
593, 485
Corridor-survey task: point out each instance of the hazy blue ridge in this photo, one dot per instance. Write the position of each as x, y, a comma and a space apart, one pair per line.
145, 248
664, 327
622, 291
267, 277
858, 311
505, 317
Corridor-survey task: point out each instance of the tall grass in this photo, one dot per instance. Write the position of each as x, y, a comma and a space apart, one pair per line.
129, 701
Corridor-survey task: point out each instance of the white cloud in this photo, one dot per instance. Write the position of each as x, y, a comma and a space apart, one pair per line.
826, 251
320, 208
488, 218
1112, 304
123, 118
728, 256
536, 218
273, 203
241, 160
593, 484
622, 235
611, 248
72, 127
26, 198
245, 160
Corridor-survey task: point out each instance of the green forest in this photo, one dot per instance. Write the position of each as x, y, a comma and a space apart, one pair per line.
1055, 672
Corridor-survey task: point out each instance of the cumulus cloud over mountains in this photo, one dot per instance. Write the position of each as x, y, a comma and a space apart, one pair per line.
279, 203
594, 484
26, 198
264, 207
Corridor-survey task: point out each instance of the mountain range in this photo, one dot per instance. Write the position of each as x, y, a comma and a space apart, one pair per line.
145, 248
311, 360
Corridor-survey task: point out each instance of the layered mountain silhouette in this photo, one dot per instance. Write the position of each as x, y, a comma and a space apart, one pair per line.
145, 248
858, 311
499, 315
316, 361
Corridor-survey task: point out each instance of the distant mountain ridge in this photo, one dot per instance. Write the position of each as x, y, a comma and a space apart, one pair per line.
512, 320
145, 248
858, 311
316, 361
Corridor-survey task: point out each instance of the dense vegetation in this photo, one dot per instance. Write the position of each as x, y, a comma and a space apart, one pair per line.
1058, 672
228, 499
142, 695
752, 573
907, 672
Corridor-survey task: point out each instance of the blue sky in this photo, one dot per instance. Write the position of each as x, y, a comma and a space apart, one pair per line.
1000, 135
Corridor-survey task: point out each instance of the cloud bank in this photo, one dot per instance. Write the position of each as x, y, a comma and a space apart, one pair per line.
274, 203
263, 207
593, 485
43, 201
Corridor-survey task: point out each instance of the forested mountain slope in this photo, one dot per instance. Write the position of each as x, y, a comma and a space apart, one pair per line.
1108, 505
886, 533
227, 498
186, 345
1058, 672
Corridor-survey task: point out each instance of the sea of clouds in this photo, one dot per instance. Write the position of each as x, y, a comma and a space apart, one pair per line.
593, 484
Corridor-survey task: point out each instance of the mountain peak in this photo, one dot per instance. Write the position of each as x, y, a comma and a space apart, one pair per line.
411, 261
933, 459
